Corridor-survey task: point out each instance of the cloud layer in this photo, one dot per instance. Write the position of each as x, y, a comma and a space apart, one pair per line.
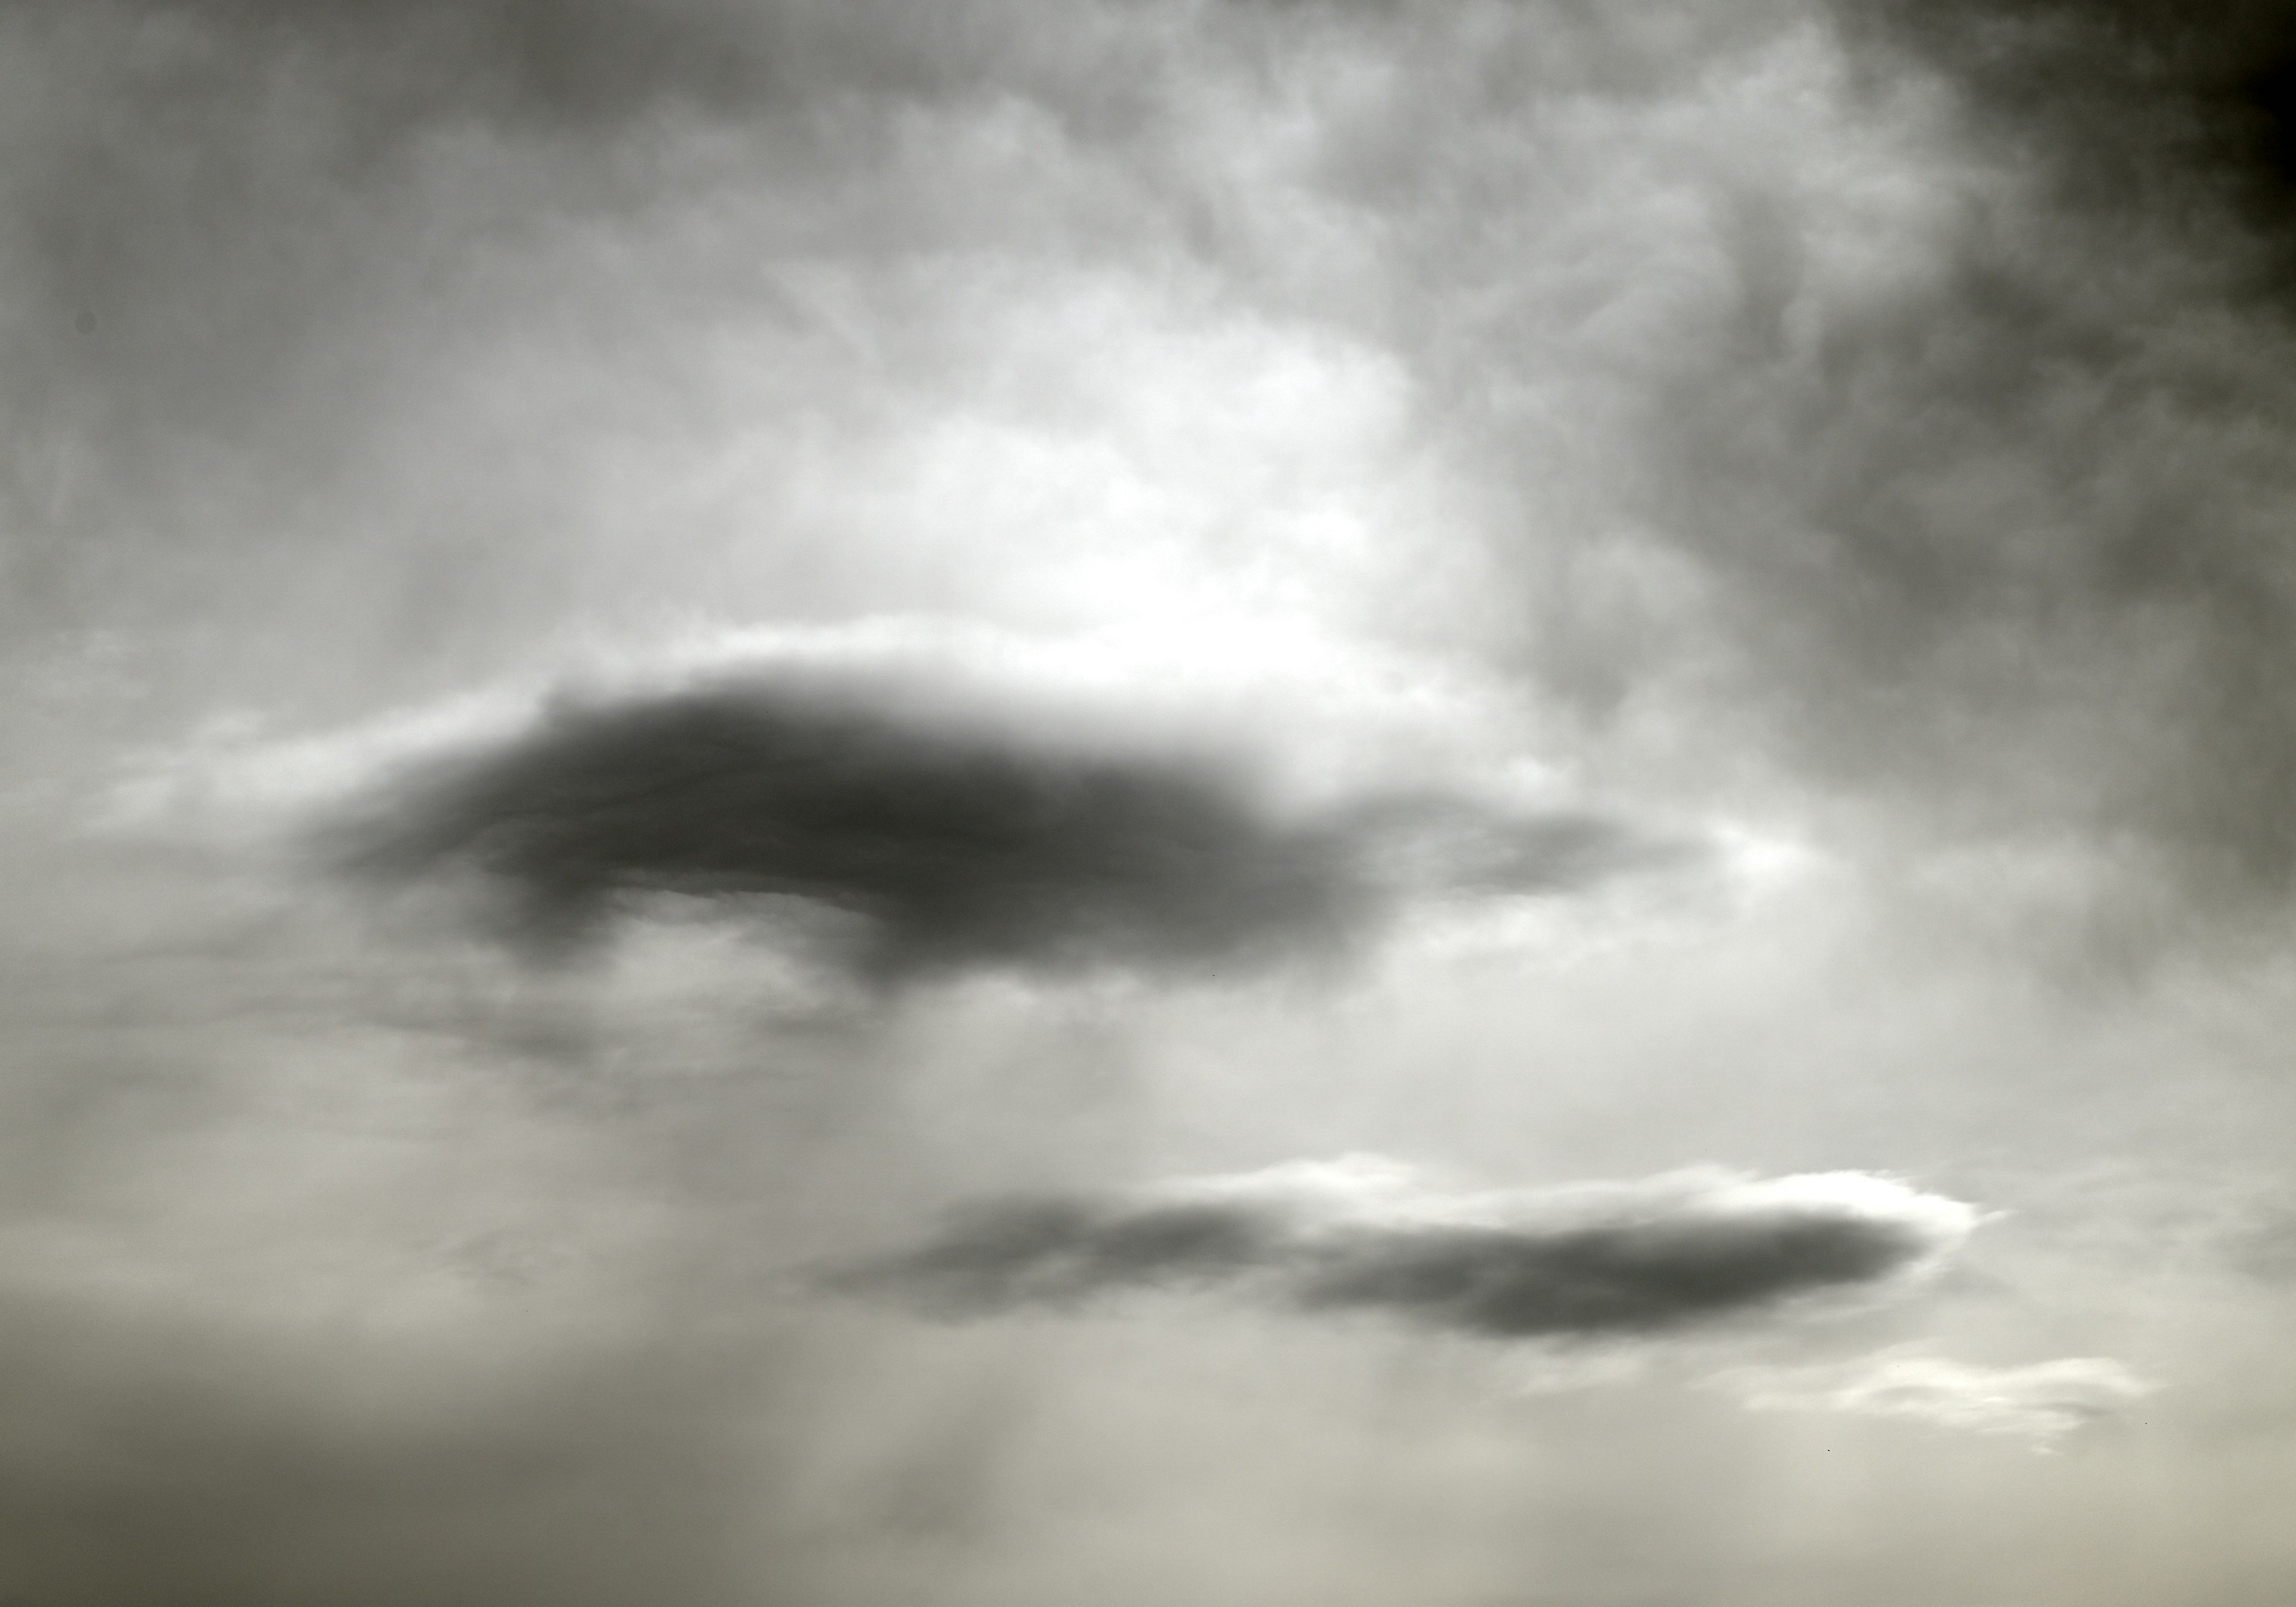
1758, 338
1867, 421
1616, 1260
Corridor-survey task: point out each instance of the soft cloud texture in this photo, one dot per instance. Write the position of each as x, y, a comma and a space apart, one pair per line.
1986, 531
1471, 456
1737, 377
156, 1456
2041, 1402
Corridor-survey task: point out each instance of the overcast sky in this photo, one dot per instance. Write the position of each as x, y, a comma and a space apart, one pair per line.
1272, 803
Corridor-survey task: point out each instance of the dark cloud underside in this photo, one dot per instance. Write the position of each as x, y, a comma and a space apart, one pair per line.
2137, 105
1645, 1270
1629, 1279
950, 848
953, 848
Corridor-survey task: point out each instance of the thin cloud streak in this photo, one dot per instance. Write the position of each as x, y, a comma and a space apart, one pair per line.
2040, 1402
1359, 1235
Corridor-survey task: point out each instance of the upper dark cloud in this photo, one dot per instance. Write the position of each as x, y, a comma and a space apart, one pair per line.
1979, 507
1639, 1258
2012, 542
2137, 105
951, 848
945, 846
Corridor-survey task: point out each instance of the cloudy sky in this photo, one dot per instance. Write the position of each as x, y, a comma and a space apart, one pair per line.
1277, 803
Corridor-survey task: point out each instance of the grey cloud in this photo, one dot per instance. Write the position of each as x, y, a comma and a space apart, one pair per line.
1988, 532
1636, 1259
2043, 538
1440, 844
941, 845
2139, 105
1929, 436
952, 848
1056, 1251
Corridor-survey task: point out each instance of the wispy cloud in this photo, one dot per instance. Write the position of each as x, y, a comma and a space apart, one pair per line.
2040, 1402
1361, 1235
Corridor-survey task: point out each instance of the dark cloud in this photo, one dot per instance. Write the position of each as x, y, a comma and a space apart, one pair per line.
1631, 1277
591, 63
951, 848
936, 845
1644, 1258
2137, 106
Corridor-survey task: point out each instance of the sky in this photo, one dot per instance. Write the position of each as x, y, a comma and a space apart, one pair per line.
1282, 803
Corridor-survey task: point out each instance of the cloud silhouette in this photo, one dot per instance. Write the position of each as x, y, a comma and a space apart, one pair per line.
1641, 1258
940, 845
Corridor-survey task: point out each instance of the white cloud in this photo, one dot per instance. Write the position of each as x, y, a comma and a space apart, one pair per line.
1367, 1190
1315, 711
2040, 1402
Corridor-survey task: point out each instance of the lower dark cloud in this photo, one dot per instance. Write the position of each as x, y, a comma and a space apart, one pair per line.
1641, 1258
910, 847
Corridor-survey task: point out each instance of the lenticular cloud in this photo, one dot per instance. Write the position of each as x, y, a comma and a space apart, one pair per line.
1627, 1259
